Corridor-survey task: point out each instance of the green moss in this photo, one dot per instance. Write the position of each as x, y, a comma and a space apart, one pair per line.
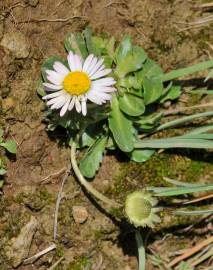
35, 201
134, 176
80, 264
59, 250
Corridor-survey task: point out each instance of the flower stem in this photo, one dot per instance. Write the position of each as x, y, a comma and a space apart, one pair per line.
86, 184
141, 251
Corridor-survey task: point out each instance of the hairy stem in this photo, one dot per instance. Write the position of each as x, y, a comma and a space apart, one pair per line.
86, 184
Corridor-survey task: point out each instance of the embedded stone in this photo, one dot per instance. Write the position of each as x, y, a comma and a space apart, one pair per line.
80, 214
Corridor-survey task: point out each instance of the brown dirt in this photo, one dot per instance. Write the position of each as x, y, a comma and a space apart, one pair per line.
154, 25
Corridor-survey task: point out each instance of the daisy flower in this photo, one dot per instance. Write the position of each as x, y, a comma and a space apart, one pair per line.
141, 210
74, 86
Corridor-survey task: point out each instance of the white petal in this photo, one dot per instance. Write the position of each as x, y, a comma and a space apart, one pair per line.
107, 89
65, 107
71, 61
104, 96
60, 68
92, 65
51, 87
49, 96
104, 82
97, 67
87, 62
72, 103
84, 107
54, 74
55, 79
100, 74
57, 105
94, 98
77, 105
78, 62
54, 100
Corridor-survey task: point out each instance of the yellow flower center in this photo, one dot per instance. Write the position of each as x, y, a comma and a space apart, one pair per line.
76, 83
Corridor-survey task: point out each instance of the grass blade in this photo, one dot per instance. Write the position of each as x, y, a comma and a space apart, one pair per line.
141, 251
183, 190
175, 142
187, 71
193, 213
183, 120
179, 183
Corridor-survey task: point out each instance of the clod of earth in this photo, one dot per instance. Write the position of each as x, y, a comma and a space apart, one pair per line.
16, 43
18, 247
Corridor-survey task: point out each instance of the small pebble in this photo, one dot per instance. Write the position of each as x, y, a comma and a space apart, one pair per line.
79, 213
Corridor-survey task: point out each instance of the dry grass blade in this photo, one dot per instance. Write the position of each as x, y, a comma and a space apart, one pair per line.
39, 254
191, 251
202, 198
56, 264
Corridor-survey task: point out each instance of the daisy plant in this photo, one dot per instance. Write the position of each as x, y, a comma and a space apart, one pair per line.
109, 96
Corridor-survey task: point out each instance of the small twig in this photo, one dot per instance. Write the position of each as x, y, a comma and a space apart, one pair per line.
58, 203
175, 111
191, 251
39, 254
52, 175
56, 264
54, 20
206, 6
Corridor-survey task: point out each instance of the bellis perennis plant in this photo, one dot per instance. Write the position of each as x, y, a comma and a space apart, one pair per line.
108, 95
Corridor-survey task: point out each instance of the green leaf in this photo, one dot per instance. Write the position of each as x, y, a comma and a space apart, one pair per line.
76, 44
93, 157
2, 171
121, 127
149, 122
88, 38
140, 155
40, 88
48, 64
124, 48
175, 142
150, 70
131, 104
173, 93
186, 71
10, 146
193, 213
200, 130
174, 191
128, 58
130, 81
153, 90
184, 120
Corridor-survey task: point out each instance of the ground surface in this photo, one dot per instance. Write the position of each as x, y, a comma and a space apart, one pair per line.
98, 243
